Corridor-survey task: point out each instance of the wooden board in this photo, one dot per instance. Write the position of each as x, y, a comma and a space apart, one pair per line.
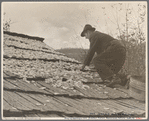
6, 106
16, 101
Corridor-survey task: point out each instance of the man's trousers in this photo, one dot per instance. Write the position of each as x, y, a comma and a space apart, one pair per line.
110, 61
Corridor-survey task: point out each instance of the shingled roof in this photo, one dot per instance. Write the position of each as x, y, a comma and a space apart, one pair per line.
40, 82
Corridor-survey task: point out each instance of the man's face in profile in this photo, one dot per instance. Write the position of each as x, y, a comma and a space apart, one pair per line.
87, 35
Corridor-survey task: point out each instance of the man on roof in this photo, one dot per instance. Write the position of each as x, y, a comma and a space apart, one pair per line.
111, 54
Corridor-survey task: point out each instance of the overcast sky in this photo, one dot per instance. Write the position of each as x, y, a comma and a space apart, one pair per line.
62, 23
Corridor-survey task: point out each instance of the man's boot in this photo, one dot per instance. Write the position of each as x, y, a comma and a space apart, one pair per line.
115, 80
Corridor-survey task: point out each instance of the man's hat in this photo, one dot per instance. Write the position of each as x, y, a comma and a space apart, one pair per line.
87, 27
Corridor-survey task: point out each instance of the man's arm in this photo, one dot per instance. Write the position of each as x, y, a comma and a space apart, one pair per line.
93, 46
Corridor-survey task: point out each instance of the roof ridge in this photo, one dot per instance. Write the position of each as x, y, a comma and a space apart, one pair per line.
23, 35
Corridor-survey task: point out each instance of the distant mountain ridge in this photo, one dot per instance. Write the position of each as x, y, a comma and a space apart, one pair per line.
76, 53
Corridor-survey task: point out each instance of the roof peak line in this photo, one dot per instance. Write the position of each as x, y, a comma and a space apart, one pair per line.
23, 36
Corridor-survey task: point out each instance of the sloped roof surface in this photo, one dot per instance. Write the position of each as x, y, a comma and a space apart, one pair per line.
40, 82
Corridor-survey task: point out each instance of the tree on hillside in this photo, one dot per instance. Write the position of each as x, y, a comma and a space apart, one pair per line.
7, 23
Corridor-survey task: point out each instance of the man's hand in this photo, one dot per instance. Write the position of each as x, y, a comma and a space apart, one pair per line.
82, 69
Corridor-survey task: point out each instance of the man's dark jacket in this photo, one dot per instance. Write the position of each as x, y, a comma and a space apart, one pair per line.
99, 43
